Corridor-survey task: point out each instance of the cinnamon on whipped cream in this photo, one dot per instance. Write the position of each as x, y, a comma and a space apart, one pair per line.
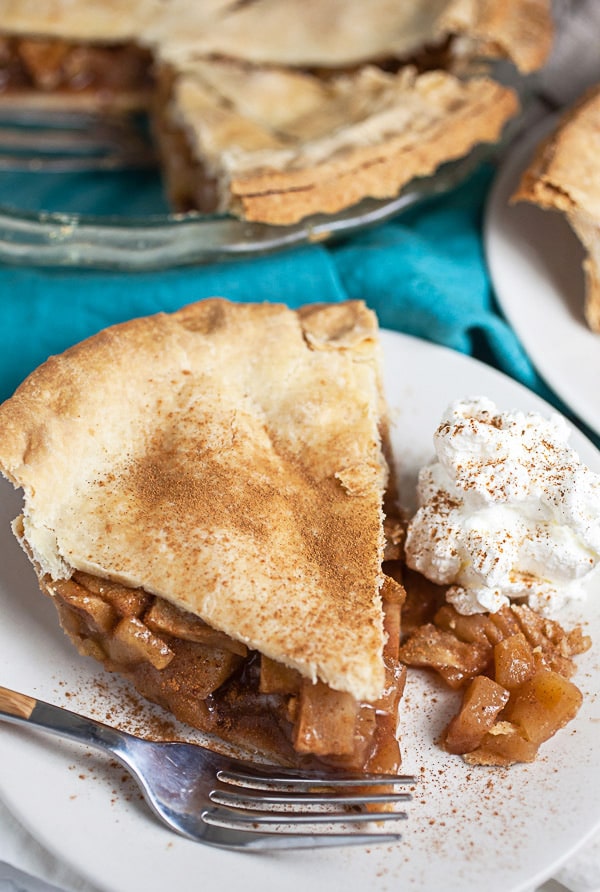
507, 511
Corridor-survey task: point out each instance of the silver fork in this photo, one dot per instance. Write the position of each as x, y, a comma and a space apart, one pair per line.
32, 139
226, 802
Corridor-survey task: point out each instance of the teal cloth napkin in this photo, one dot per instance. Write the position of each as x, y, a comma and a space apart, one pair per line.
423, 273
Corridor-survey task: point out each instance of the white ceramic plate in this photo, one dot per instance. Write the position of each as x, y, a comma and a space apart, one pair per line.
469, 829
535, 264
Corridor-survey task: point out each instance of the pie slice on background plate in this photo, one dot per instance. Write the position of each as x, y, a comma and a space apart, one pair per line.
564, 175
203, 501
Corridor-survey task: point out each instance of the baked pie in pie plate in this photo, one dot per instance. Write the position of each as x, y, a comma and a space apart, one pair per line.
267, 135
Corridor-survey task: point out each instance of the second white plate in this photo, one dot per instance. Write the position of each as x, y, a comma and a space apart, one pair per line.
535, 264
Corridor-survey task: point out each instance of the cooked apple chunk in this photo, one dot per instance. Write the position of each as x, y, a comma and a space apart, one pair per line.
543, 705
133, 642
275, 678
503, 745
91, 610
126, 601
167, 618
326, 720
514, 661
456, 661
483, 700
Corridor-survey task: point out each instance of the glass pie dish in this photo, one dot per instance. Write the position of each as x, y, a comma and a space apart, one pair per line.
119, 219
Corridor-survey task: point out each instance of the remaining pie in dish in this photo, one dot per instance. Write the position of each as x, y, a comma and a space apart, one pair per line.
204, 502
564, 175
281, 145
274, 111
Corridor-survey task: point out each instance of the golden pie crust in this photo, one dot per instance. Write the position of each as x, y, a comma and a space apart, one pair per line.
296, 33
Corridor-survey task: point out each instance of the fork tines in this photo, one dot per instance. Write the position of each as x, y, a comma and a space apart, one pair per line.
289, 778
314, 805
33, 141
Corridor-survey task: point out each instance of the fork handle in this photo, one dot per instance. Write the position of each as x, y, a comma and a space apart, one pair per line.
23, 709
16, 705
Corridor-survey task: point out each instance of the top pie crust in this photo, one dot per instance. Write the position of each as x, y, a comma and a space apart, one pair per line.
94, 20
348, 32
328, 33
521, 30
227, 458
564, 174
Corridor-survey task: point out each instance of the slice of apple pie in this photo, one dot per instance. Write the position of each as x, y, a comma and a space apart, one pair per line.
564, 175
204, 502
272, 144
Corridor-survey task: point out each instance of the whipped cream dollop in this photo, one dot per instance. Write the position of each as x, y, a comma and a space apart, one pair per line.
507, 511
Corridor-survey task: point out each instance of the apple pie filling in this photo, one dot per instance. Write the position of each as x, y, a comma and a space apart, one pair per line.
110, 72
214, 683
513, 667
